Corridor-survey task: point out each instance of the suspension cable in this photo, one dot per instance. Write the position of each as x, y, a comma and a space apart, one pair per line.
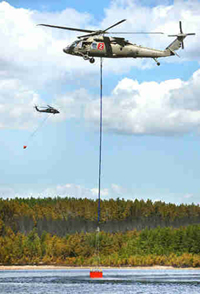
36, 130
100, 142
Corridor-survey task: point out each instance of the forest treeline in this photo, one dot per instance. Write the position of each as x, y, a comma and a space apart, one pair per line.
61, 216
62, 231
178, 247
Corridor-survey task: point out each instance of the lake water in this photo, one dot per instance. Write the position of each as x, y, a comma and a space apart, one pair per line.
115, 281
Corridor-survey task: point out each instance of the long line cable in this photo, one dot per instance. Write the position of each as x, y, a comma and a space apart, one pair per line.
100, 151
38, 127
36, 130
100, 141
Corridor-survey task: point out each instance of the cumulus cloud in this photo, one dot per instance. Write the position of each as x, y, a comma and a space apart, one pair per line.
167, 108
171, 107
34, 53
32, 62
158, 17
16, 105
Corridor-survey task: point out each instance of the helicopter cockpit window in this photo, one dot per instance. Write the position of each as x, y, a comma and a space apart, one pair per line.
79, 45
74, 44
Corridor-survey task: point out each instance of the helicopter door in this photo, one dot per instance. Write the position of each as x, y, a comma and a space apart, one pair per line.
97, 49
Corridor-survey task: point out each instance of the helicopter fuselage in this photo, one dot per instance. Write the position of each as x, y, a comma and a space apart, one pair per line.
96, 44
112, 48
49, 109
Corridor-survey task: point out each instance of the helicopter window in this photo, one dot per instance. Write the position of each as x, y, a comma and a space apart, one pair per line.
79, 45
74, 44
94, 45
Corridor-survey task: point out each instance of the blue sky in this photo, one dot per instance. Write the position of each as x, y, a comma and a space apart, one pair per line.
151, 118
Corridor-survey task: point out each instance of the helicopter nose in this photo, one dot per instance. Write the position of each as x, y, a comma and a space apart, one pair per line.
66, 49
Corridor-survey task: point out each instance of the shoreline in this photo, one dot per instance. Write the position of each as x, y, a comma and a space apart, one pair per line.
59, 267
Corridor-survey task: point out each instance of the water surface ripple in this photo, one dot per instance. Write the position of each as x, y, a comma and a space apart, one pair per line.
75, 281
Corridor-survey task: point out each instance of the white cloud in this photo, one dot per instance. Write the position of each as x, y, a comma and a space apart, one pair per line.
16, 105
7, 192
188, 196
34, 53
118, 190
114, 191
66, 190
103, 192
162, 18
32, 62
167, 108
72, 104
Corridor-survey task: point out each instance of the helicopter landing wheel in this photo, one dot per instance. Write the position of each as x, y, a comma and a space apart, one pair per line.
92, 60
158, 63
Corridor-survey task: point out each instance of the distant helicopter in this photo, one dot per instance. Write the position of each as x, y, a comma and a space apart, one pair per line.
49, 109
95, 44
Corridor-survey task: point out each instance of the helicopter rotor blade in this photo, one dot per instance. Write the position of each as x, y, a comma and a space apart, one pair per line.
180, 25
134, 33
66, 28
90, 35
97, 32
93, 33
182, 45
101, 32
118, 33
114, 25
50, 106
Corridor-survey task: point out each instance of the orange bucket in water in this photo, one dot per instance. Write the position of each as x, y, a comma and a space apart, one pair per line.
25, 146
96, 274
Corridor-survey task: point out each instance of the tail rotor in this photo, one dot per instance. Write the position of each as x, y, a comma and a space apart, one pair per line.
181, 36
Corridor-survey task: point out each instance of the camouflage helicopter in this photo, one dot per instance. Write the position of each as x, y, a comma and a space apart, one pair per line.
96, 44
